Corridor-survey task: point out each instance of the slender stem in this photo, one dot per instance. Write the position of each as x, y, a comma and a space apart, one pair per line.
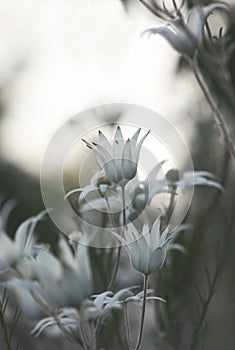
212, 288
115, 271
93, 337
110, 285
119, 248
84, 337
5, 332
128, 329
157, 11
217, 114
123, 205
109, 211
145, 287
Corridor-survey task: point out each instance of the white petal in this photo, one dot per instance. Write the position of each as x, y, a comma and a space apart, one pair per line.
66, 253
24, 233
129, 166
155, 234
118, 135
136, 135
163, 238
105, 142
175, 36
156, 260
76, 190
155, 171
139, 145
47, 267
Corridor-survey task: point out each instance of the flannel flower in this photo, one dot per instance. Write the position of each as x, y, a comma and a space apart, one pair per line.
147, 249
23, 245
62, 281
67, 318
196, 178
118, 160
186, 36
96, 308
107, 301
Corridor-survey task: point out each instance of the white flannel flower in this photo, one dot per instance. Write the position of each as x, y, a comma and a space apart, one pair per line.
197, 178
99, 184
105, 302
118, 160
5, 212
145, 190
138, 298
67, 318
64, 281
95, 195
23, 245
186, 37
147, 249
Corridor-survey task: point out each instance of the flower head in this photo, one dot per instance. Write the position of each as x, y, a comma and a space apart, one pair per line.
107, 301
62, 281
196, 178
118, 160
67, 319
186, 36
12, 251
146, 249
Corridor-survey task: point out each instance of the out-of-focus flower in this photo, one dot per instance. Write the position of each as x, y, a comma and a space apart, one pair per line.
196, 178
105, 302
5, 211
23, 245
186, 36
99, 184
24, 290
64, 281
145, 190
119, 160
138, 298
67, 318
96, 194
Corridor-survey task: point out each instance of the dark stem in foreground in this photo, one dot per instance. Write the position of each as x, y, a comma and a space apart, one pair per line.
145, 287
111, 283
216, 112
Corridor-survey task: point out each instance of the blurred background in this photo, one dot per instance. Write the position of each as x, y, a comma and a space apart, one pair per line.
59, 57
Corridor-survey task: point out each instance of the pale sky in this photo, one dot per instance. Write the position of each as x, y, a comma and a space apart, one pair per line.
59, 57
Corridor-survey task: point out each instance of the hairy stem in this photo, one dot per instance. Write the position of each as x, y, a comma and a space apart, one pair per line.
115, 271
127, 326
156, 10
145, 287
93, 337
216, 112
119, 248
123, 205
109, 212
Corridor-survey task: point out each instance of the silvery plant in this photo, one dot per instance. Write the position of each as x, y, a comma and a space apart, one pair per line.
55, 287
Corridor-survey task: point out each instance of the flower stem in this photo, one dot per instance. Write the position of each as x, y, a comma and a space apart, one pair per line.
127, 326
119, 248
123, 205
157, 10
217, 114
111, 283
145, 287
109, 211
93, 337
